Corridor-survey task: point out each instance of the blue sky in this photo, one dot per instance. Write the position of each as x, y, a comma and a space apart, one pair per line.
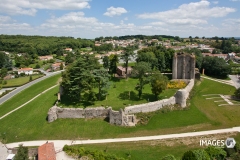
94, 18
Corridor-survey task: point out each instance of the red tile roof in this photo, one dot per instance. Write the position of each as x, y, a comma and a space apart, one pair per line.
46, 152
25, 69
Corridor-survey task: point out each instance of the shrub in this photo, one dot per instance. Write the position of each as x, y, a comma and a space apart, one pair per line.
176, 84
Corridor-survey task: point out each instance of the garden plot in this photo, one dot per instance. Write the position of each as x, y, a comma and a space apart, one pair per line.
222, 99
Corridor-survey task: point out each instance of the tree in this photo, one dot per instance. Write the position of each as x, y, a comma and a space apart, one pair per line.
61, 66
22, 153
169, 157
37, 66
4, 60
106, 62
158, 83
148, 57
3, 72
201, 154
215, 66
216, 153
113, 63
70, 58
141, 71
30, 78
189, 155
102, 79
237, 93
78, 77
125, 56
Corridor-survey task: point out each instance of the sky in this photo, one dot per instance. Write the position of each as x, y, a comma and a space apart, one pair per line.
95, 18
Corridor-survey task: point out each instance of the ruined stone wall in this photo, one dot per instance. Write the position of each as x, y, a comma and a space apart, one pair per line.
115, 117
57, 112
149, 107
122, 117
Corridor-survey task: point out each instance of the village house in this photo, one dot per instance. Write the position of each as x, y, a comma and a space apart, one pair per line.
27, 71
98, 44
121, 71
223, 56
231, 55
47, 152
45, 58
56, 66
68, 49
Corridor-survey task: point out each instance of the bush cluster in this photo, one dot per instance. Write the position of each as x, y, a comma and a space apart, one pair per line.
78, 152
176, 84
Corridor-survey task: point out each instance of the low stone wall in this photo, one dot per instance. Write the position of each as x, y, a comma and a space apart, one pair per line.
57, 112
149, 107
122, 117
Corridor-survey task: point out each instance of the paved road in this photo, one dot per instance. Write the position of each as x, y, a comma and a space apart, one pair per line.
3, 152
19, 89
235, 80
58, 144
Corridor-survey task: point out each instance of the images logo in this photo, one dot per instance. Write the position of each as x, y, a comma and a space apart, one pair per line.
229, 142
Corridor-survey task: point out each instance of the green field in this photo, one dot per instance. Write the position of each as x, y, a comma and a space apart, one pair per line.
20, 81
28, 94
119, 95
30, 123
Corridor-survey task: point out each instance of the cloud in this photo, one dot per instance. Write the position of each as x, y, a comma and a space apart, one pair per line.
5, 19
192, 13
30, 7
111, 11
10, 26
215, 2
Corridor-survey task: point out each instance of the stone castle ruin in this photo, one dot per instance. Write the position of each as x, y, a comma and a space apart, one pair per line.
183, 68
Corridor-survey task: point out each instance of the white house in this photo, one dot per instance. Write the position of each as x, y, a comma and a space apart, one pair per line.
10, 157
27, 71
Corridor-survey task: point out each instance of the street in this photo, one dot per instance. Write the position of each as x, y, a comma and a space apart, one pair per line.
19, 89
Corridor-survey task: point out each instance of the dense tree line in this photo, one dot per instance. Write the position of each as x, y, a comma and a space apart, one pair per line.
226, 45
40, 45
141, 37
103, 47
216, 67
159, 57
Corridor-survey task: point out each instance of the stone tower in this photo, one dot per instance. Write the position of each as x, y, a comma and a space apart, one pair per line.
183, 66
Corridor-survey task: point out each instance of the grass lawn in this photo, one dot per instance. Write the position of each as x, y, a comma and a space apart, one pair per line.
226, 78
29, 122
20, 81
222, 116
28, 94
119, 95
